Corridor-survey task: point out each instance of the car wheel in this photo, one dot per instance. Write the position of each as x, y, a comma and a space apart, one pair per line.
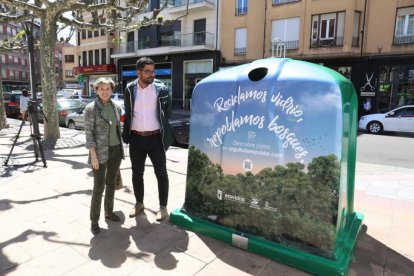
374, 127
71, 125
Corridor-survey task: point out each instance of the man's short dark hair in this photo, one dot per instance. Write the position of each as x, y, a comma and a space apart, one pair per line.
142, 62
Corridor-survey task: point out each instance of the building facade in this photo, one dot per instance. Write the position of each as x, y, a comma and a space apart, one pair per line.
184, 52
69, 79
93, 57
370, 42
15, 66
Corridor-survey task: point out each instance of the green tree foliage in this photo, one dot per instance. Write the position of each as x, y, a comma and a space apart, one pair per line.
53, 15
286, 204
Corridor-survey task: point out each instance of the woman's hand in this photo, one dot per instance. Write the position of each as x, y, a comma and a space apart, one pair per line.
94, 159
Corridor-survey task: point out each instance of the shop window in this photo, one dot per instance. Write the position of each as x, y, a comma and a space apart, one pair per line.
194, 72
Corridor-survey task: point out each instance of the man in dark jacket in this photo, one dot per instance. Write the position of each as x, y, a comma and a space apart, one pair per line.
148, 133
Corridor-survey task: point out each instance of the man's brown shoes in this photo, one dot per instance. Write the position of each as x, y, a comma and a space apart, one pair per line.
136, 210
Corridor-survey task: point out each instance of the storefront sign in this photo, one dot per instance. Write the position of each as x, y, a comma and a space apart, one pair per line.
105, 68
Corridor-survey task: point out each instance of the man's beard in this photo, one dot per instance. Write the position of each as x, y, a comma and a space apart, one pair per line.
148, 80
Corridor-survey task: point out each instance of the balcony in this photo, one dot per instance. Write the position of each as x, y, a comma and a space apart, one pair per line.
180, 6
192, 42
338, 41
240, 51
355, 41
289, 45
404, 39
279, 2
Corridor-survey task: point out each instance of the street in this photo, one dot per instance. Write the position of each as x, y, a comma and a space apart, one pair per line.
390, 149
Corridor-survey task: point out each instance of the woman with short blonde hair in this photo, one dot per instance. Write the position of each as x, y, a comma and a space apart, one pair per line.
103, 140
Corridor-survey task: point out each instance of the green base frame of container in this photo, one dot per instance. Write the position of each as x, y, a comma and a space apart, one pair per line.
292, 257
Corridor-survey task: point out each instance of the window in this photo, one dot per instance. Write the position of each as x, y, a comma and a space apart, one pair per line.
103, 56
287, 30
90, 57
103, 21
241, 7
90, 34
240, 41
68, 73
328, 29
404, 27
69, 58
97, 57
144, 38
83, 34
355, 32
96, 33
3, 58
84, 58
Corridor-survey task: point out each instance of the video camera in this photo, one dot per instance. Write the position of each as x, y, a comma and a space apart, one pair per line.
32, 105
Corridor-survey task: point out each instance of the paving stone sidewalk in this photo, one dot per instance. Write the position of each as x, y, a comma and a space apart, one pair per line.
44, 220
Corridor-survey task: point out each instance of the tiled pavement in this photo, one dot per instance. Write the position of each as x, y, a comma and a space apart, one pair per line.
44, 221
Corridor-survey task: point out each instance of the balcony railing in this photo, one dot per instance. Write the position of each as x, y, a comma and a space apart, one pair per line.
241, 10
179, 3
338, 41
289, 45
239, 51
278, 2
184, 40
355, 41
403, 39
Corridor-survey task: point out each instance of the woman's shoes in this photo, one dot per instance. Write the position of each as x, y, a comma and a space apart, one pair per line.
112, 217
95, 229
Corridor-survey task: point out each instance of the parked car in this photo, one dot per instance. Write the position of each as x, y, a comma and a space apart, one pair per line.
117, 96
82, 98
12, 104
64, 107
180, 123
399, 119
76, 120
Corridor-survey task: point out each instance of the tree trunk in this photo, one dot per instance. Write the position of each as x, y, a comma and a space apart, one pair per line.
3, 117
48, 38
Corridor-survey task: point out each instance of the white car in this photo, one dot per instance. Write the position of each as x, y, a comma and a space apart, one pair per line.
76, 120
399, 119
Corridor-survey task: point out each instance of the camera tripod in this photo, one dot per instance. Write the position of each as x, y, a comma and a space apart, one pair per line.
31, 114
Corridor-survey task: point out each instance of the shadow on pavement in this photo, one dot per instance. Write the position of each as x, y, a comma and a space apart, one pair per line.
6, 266
371, 257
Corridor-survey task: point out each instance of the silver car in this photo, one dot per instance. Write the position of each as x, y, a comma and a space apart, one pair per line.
76, 120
